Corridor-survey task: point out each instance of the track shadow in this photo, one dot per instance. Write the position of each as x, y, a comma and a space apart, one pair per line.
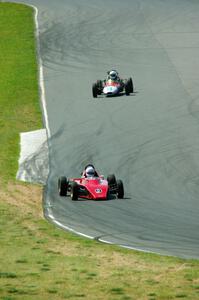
110, 198
104, 97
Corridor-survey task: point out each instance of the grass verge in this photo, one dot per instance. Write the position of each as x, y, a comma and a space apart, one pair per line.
39, 261
19, 108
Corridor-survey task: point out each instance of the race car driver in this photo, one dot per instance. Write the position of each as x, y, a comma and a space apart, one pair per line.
89, 172
113, 75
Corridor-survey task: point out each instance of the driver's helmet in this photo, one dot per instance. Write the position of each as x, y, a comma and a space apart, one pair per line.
113, 75
90, 172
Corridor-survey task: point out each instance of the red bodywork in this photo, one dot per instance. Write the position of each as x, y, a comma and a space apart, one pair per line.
112, 83
95, 188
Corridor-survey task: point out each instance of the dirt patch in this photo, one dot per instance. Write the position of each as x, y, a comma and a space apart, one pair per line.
25, 196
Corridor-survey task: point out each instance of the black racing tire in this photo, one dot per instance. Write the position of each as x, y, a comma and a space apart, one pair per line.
111, 179
131, 87
99, 86
74, 191
127, 89
94, 90
62, 186
120, 189
99, 83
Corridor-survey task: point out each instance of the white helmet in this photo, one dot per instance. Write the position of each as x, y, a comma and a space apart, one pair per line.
113, 75
90, 172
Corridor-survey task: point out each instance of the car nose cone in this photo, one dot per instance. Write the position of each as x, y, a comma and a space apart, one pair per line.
110, 90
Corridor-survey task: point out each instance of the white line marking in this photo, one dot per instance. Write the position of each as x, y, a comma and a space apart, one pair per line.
40, 64
43, 100
68, 228
41, 76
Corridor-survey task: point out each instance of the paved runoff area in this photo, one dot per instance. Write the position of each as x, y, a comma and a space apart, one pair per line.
33, 161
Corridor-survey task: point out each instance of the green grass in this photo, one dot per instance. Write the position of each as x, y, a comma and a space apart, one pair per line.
43, 262
39, 261
19, 109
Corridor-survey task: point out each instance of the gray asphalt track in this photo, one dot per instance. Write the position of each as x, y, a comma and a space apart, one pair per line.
150, 139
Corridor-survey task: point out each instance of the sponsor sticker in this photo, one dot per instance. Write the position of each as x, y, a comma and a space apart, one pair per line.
98, 191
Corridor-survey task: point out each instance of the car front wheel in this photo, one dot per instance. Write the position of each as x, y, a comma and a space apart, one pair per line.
62, 186
74, 191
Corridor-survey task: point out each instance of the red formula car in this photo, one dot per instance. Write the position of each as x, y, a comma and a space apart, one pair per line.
92, 187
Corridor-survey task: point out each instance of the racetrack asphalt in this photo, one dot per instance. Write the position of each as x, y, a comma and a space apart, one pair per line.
149, 139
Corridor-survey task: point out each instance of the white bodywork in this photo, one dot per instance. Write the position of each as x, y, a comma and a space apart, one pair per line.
110, 90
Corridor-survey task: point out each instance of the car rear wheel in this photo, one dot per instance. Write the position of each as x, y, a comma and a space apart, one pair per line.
120, 189
127, 91
62, 186
111, 179
131, 87
94, 90
74, 191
